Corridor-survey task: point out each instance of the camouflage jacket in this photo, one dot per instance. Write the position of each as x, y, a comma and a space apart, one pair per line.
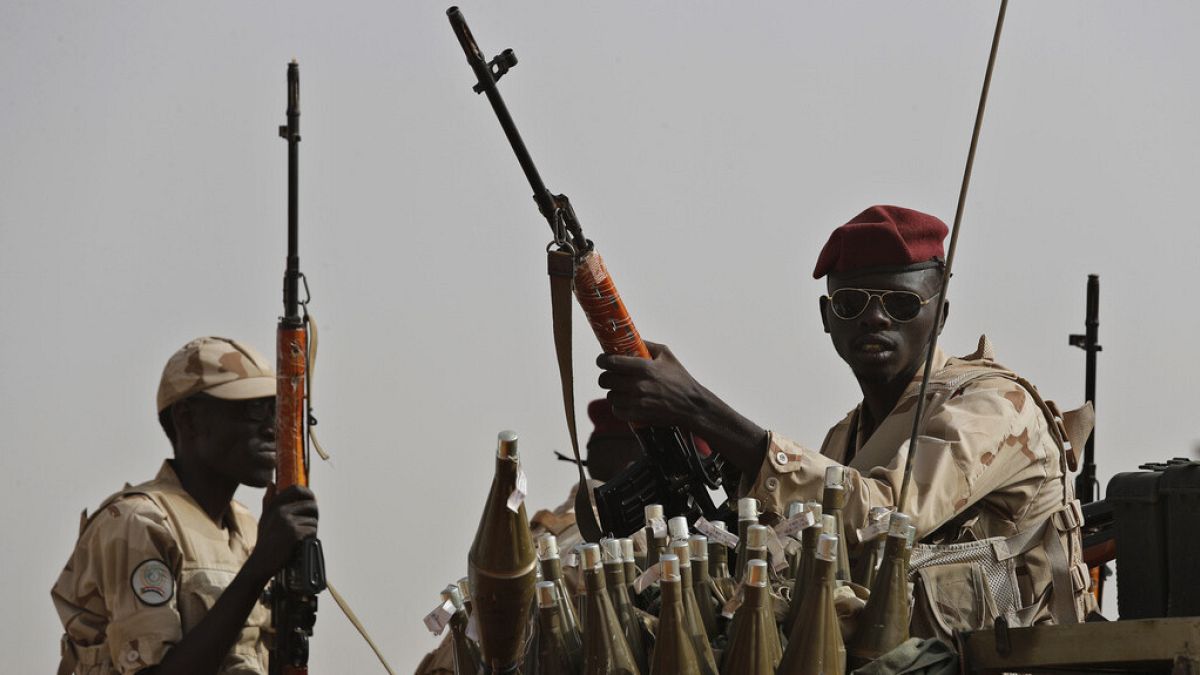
990, 463
146, 569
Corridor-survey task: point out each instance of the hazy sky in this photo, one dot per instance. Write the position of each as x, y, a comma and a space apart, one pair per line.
708, 148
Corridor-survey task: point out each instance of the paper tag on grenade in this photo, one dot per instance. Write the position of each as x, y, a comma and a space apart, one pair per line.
645, 579
732, 604
659, 527
873, 531
716, 534
775, 550
473, 628
571, 559
795, 524
436, 620
517, 498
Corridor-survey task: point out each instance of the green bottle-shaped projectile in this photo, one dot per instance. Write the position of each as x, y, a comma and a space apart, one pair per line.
756, 545
502, 565
618, 593
815, 644
466, 652
802, 579
695, 626
832, 502
871, 550
605, 649
656, 535
631, 569
674, 652
754, 647
551, 566
554, 657
718, 566
883, 623
747, 515
702, 584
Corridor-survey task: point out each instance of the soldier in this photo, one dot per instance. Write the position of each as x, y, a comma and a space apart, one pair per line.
990, 462
166, 576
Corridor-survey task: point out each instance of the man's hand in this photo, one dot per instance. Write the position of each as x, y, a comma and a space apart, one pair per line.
656, 392
661, 392
287, 520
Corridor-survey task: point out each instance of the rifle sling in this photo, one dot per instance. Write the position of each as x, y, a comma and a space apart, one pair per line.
560, 265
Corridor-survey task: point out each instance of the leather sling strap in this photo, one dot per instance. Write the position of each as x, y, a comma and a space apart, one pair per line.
560, 265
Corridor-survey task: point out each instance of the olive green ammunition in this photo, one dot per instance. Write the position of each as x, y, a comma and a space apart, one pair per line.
553, 655
466, 653
656, 545
883, 623
631, 568
605, 649
674, 652
832, 502
802, 571
747, 515
618, 593
695, 624
756, 545
815, 643
754, 647
871, 552
718, 567
502, 566
550, 564
702, 585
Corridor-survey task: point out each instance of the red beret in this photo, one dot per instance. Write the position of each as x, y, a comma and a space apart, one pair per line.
603, 420
882, 236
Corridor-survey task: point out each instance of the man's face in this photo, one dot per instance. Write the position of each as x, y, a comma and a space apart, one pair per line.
236, 439
879, 348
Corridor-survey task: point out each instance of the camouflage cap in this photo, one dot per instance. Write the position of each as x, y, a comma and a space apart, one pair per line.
217, 366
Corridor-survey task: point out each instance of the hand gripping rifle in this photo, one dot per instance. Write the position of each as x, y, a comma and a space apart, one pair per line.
671, 472
293, 591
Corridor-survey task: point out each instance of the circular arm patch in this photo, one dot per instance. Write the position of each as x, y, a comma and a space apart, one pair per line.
152, 582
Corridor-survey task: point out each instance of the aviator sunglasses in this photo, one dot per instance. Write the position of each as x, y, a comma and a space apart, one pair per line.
901, 306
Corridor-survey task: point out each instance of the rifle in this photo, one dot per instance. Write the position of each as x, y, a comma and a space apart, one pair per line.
671, 472
293, 592
1085, 483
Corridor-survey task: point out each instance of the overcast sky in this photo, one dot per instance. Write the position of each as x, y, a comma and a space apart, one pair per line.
708, 148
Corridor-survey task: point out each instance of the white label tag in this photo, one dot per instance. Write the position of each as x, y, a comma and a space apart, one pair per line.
473, 628
645, 579
873, 531
716, 534
775, 550
436, 620
659, 527
571, 560
732, 604
795, 524
517, 498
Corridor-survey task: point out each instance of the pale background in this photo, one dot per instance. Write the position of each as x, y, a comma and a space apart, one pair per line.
708, 147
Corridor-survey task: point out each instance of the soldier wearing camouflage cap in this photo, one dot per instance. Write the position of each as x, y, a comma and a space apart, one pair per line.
166, 576
992, 462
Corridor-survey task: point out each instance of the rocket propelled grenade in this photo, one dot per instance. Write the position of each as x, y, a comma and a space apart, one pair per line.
502, 564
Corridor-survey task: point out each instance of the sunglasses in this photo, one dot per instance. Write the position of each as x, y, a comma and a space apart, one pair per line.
901, 306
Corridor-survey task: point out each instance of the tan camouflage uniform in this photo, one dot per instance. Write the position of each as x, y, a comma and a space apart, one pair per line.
148, 566
990, 464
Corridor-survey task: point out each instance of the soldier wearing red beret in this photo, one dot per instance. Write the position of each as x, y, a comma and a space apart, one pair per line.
992, 462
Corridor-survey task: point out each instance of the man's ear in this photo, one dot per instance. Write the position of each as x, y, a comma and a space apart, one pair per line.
824, 302
945, 315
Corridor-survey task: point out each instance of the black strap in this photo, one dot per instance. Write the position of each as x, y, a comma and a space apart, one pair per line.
560, 265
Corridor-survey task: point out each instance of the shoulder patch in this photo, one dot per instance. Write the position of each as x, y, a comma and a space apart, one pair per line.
152, 582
